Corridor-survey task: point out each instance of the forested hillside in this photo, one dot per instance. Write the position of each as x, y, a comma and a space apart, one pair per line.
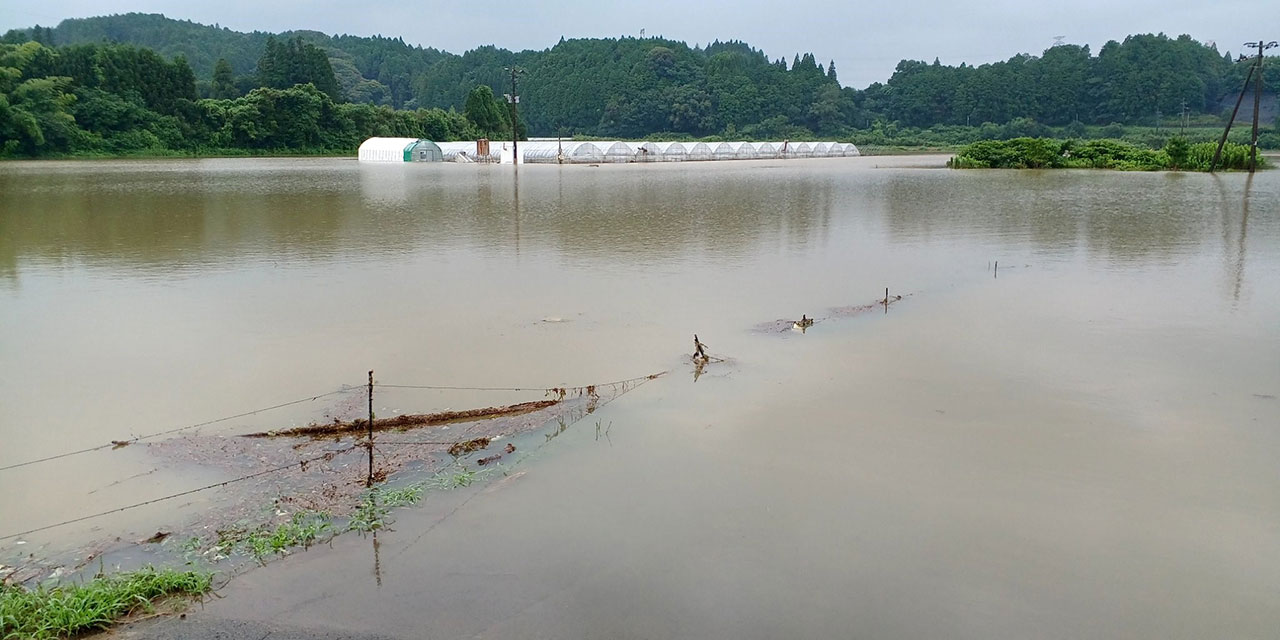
224, 89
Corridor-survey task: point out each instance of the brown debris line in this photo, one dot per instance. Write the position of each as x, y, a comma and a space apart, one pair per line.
407, 421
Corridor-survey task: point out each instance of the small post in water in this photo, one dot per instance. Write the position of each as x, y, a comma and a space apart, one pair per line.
886, 300
369, 481
995, 273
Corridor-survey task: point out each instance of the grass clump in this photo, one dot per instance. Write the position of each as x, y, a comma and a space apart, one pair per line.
67, 610
303, 529
457, 479
371, 514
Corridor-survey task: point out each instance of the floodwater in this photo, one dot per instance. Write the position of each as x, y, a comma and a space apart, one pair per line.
1080, 444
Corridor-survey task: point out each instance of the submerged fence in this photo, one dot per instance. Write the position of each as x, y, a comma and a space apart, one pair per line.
461, 445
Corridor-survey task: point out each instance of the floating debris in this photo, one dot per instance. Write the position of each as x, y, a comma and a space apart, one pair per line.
784, 325
462, 448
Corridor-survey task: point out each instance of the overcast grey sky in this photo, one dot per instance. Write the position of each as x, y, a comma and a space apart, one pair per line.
866, 39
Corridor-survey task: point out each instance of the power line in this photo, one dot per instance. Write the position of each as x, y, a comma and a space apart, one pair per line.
206, 423
330, 455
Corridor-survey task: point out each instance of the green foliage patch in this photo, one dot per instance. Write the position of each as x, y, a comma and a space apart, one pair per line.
1048, 153
43, 613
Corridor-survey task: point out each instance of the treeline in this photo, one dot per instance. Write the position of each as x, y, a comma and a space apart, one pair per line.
118, 99
1139, 80
614, 87
624, 87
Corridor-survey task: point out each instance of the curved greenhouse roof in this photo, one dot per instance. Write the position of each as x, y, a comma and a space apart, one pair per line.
672, 151
452, 150
616, 151
699, 151
735, 151
393, 150
399, 150
645, 152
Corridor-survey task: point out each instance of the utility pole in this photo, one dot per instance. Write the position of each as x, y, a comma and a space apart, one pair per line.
1257, 98
1217, 155
513, 99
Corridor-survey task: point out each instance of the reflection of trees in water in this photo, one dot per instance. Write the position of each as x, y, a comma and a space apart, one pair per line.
167, 219
639, 212
159, 217
1122, 217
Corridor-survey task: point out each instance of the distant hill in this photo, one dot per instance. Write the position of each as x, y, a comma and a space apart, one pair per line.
631, 87
608, 86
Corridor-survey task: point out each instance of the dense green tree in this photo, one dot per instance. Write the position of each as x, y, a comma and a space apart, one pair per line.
293, 62
224, 81
484, 113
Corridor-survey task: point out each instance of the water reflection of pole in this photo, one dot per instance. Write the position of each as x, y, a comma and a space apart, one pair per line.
516, 201
1240, 245
377, 560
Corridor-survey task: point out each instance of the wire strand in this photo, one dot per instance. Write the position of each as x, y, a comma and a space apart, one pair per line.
206, 423
532, 388
329, 455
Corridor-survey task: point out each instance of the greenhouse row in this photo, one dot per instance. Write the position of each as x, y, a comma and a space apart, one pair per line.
595, 152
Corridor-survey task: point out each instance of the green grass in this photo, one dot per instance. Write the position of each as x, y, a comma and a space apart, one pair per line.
457, 479
371, 513
67, 610
303, 529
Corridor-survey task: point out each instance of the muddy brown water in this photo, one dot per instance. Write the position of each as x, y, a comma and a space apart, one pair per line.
1083, 444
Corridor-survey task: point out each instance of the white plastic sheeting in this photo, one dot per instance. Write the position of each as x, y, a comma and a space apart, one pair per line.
672, 151
699, 151
398, 150
452, 150
645, 152
617, 151
734, 151
612, 151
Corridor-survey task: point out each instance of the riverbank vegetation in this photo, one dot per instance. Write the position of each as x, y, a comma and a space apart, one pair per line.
72, 609
1047, 153
139, 84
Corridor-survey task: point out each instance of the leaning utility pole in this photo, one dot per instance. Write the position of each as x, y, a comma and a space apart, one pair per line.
1257, 99
1217, 155
513, 98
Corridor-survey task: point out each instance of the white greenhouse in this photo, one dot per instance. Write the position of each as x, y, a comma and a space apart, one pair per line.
617, 151
399, 150
645, 152
699, 151
734, 151
545, 151
672, 151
